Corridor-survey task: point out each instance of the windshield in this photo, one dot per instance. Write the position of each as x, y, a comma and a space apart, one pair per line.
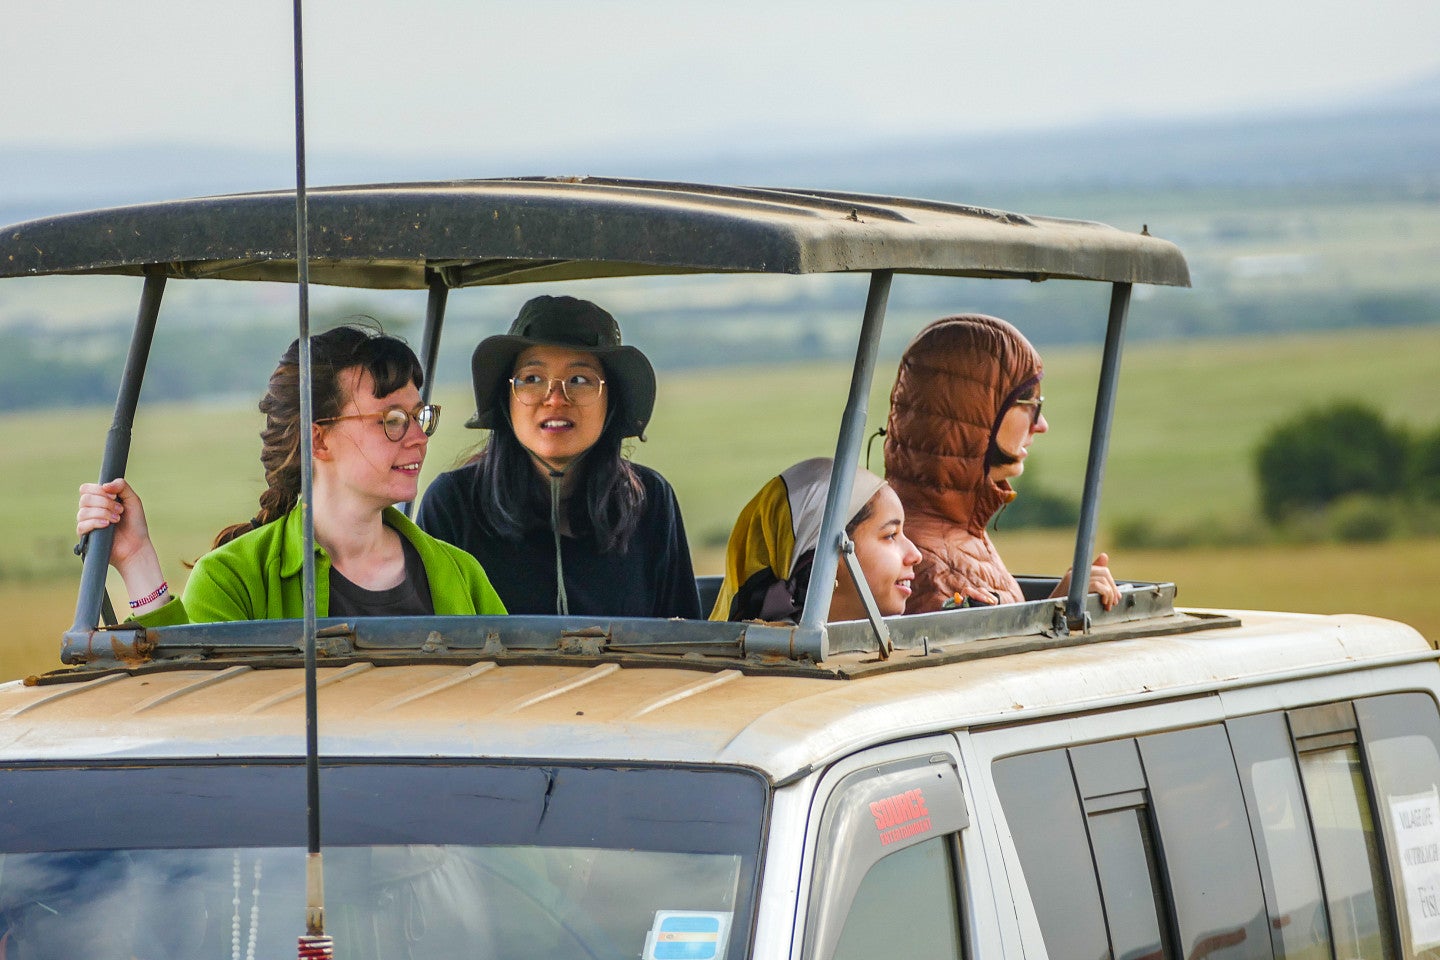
421, 860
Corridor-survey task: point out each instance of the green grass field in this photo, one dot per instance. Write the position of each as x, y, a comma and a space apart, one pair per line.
1188, 417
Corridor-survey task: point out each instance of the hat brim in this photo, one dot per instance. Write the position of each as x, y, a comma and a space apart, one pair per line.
494, 359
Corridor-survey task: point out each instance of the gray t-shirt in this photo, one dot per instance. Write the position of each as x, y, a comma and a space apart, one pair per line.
409, 598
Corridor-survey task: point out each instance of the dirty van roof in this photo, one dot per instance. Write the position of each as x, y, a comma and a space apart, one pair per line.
482, 232
779, 724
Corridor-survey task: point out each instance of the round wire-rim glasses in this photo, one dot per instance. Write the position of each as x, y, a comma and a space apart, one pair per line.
396, 420
532, 389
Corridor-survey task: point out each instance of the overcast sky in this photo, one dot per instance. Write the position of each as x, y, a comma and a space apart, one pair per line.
475, 77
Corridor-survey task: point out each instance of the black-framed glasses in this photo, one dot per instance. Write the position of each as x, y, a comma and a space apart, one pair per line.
1034, 403
532, 389
396, 420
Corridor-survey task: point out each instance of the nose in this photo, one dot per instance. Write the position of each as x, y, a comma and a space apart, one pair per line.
912, 552
414, 430
1041, 425
555, 392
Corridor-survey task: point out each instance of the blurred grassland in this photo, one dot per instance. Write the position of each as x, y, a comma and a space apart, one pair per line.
1188, 417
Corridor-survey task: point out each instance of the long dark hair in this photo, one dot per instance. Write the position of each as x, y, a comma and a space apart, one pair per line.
389, 361
514, 497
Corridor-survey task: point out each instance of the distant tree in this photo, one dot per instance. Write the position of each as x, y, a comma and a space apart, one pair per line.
1425, 466
1322, 455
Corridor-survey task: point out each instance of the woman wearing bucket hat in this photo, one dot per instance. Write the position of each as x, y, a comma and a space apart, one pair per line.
563, 523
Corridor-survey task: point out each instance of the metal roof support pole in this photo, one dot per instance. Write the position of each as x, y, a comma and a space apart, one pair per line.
430, 341
811, 638
434, 322
116, 459
1075, 615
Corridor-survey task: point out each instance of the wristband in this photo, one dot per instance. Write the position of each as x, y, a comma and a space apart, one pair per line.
151, 597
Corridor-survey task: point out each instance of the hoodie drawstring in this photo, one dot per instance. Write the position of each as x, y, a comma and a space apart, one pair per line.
562, 602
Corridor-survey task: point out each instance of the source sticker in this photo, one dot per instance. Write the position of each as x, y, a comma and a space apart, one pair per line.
900, 817
687, 935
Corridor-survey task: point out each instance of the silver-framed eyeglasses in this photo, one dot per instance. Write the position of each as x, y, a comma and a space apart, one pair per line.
532, 389
1034, 403
396, 420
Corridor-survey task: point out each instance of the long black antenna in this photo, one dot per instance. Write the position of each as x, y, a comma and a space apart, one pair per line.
314, 944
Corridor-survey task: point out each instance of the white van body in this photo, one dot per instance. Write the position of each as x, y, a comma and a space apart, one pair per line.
890, 802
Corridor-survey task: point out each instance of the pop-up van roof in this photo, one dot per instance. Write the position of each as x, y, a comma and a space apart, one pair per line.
445, 235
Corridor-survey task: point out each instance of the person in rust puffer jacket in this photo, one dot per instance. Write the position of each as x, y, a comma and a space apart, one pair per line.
963, 412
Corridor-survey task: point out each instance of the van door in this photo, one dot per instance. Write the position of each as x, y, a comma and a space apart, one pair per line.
1138, 847
884, 875
1311, 832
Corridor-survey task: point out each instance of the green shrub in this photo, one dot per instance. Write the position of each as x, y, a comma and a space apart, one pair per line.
1360, 518
1310, 461
1424, 473
1039, 508
1144, 533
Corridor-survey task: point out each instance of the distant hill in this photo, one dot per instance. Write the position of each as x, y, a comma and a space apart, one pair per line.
1394, 137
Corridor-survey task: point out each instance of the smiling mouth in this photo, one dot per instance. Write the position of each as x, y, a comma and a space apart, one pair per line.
408, 468
556, 424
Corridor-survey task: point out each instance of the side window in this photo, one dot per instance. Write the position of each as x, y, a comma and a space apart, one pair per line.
1328, 748
1037, 793
1299, 929
1209, 855
907, 906
1309, 833
1146, 852
886, 864
1112, 786
1401, 734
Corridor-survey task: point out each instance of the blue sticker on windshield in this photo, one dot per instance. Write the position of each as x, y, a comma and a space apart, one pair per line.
687, 935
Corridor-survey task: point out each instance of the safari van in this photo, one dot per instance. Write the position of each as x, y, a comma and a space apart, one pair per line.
1042, 779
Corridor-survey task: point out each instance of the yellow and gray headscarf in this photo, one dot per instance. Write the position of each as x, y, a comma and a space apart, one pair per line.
772, 547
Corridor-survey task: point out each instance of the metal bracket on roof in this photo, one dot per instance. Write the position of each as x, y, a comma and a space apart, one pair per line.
872, 612
789, 641
127, 645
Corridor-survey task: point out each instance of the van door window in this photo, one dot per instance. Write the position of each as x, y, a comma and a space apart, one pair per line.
1037, 791
908, 905
1291, 878
1164, 821
886, 875
1209, 856
1327, 745
1112, 786
1401, 734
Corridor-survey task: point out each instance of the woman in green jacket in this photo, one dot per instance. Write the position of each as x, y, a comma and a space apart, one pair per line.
369, 432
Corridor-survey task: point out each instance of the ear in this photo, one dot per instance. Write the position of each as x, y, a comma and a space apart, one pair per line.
318, 446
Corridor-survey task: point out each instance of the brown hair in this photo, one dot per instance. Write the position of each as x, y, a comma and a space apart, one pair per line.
388, 360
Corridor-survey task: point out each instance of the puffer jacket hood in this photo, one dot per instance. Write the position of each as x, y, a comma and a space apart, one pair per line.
956, 380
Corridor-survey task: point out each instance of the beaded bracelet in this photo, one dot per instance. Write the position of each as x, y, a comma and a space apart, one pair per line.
150, 597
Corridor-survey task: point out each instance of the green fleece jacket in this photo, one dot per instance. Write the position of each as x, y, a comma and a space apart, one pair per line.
257, 576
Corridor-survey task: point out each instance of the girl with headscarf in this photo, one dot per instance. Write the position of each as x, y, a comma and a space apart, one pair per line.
964, 410
772, 548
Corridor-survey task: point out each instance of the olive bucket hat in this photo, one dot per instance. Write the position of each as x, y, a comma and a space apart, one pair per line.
578, 325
